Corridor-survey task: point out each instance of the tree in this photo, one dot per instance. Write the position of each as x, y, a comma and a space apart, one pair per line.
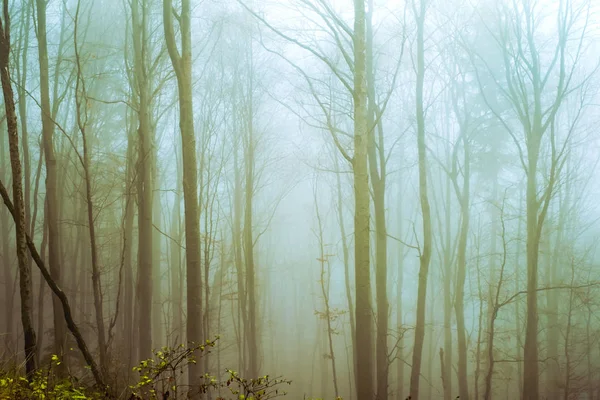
139, 21
52, 199
182, 64
419, 10
535, 102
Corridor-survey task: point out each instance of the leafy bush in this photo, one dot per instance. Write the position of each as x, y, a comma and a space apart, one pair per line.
44, 384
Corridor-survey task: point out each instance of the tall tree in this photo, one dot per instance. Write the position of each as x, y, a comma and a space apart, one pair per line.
535, 87
362, 212
182, 64
54, 231
139, 13
419, 10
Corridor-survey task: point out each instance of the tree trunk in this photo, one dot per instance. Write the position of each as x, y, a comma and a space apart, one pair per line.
377, 170
54, 231
362, 273
463, 194
183, 70
145, 182
425, 255
128, 281
346, 256
252, 334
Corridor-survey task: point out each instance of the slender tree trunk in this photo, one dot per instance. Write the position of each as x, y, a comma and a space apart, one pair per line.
182, 64
128, 281
463, 385
252, 334
54, 231
448, 303
145, 181
362, 273
238, 258
346, 256
377, 169
425, 255
176, 306
531, 367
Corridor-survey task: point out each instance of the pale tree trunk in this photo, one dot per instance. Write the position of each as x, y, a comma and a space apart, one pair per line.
446, 354
399, 313
463, 195
54, 231
248, 240
128, 281
346, 256
176, 289
25, 286
364, 320
144, 180
377, 170
238, 258
182, 64
425, 252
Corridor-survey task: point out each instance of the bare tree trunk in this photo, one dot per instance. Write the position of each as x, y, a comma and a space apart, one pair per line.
362, 274
463, 195
377, 170
128, 281
238, 258
346, 256
446, 353
145, 182
54, 231
182, 64
175, 267
252, 334
425, 252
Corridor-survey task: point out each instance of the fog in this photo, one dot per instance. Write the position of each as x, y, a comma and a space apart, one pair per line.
375, 199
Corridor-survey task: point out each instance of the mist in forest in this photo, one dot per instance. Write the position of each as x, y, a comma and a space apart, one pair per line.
377, 199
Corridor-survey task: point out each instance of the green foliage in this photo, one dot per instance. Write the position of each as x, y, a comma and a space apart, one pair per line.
261, 388
160, 374
159, 378
43, 385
